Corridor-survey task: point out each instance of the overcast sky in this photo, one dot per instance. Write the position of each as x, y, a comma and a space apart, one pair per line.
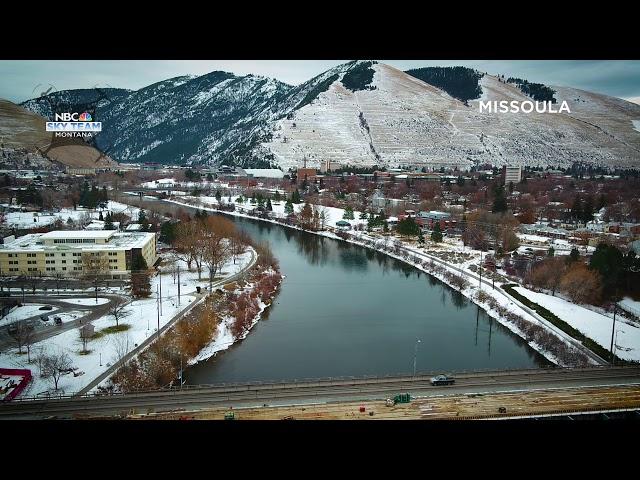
24, 79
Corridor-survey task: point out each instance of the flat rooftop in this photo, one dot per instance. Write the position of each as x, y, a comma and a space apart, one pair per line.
118, 241
63, 234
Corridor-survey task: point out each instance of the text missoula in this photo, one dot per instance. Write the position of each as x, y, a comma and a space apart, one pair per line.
527, 106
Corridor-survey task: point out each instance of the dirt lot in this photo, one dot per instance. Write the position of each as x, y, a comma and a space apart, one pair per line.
468, 406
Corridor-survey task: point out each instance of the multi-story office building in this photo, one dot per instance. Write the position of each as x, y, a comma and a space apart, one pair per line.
512, 174
66, 251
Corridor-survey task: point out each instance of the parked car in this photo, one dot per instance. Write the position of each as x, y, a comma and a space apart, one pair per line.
442, 380
58, 320
46, 307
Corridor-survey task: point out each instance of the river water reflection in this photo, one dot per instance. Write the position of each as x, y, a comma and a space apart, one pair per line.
345, 310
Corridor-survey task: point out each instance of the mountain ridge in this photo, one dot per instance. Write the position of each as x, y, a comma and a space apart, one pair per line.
252, 120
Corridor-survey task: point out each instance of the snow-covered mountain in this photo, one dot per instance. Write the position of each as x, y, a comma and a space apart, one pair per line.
358, 113
406, 121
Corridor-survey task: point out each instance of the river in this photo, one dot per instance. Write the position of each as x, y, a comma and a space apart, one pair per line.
344, 310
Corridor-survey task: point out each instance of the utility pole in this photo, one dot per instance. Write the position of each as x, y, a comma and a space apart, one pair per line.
490, 325
477, 320
480, 270
415, 357
615, 308
158, 309
178, 285
160, 283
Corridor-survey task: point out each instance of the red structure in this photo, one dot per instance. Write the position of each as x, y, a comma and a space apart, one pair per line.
17, 390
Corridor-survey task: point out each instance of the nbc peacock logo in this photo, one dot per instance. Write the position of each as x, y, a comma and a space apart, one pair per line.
85, 117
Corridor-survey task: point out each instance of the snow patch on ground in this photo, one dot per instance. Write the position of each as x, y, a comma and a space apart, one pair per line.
596, 326
224, 338
86, 301
25, 311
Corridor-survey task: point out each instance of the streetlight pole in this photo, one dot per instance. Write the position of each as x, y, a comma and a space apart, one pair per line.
415, 357
158, 308
178, 285
480, 270
615, 308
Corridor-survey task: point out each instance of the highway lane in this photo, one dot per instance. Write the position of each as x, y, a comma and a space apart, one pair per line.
321, 391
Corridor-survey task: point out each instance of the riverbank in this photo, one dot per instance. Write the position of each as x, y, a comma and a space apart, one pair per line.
106, 350
228, 332
494, 302
223, 317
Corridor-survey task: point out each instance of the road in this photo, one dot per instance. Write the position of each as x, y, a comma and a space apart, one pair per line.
318, 391
50, 329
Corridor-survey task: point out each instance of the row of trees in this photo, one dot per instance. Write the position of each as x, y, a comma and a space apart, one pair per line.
209, 243
571, 277
610, 275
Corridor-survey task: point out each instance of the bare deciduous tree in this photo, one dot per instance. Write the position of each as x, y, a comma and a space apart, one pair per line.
121, 344
24, 337
54, 366
119, 309
185, 244
95, 268
214, 244
238, 243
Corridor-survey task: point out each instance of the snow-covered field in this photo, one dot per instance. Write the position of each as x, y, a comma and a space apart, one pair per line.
596, 326
533, 238
41, 219
333, 214
86, 301
25, 311
630, 305
103, 351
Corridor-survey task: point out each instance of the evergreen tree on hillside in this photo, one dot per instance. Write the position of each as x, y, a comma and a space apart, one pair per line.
459, 82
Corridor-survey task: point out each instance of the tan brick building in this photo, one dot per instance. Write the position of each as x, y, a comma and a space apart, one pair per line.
62, 251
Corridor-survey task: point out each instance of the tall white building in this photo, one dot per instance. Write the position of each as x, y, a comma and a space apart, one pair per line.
512, 174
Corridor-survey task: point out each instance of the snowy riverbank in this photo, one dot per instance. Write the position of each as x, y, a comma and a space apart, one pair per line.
224, 337
422, 260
